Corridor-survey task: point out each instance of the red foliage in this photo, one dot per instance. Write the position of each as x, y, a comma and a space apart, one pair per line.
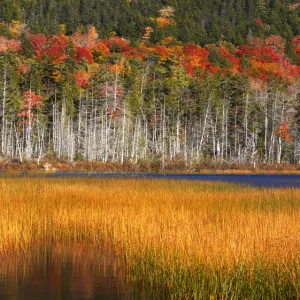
38, 43
195, 50
56, 49
259, 22
262, 54
261, 60
31, 99
195, 57
83, 53
30, 103
53, 48
269, 61
225, 53
283, 131
117, 44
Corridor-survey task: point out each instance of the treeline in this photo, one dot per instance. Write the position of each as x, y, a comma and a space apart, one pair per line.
80, 97
199, 21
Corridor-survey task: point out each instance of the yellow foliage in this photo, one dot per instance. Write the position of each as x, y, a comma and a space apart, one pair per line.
62, 28
14, 28
118, 68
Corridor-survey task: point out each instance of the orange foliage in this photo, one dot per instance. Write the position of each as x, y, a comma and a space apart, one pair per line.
82, 78
261, 60
269, 61
283, 131
148, 31
118, 68
100, 49
167, 41
162, 22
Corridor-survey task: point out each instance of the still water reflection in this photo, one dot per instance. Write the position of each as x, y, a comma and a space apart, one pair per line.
64, 273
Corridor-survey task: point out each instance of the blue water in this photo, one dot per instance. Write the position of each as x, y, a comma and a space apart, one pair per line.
257, 180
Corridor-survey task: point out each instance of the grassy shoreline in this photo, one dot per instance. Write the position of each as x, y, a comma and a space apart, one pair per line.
182, 239
147, 167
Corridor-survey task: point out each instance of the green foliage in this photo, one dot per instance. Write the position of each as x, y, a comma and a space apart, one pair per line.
202, 22
8, 66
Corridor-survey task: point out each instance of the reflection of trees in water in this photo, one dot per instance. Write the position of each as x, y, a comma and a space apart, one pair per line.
76, 272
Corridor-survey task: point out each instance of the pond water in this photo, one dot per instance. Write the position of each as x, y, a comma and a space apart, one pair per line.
70, 273
258, 180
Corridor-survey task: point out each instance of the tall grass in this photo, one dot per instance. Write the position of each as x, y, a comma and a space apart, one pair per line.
182, 239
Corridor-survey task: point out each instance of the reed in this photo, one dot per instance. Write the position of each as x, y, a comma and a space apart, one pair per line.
183, 239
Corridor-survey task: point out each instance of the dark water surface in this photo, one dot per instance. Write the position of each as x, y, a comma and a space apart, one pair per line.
258, 180
73, 273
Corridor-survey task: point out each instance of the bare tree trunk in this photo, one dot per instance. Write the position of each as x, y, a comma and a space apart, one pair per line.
204, 125
163, 136
3, 133
123, 132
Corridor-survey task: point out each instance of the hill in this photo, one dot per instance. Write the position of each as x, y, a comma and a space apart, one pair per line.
199, 21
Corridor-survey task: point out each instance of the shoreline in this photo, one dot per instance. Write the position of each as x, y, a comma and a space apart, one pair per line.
52, 166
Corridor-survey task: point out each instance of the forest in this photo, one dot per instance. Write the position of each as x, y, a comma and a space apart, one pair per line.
199, 21
85, 95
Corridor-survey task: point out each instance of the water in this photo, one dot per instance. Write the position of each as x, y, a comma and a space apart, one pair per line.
70, 273
257, 180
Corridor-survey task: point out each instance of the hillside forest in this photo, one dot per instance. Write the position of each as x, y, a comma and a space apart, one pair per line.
161, 96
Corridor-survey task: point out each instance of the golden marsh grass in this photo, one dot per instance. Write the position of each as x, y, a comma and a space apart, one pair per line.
184, 239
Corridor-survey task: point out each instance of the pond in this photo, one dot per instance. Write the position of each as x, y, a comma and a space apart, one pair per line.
257, 180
